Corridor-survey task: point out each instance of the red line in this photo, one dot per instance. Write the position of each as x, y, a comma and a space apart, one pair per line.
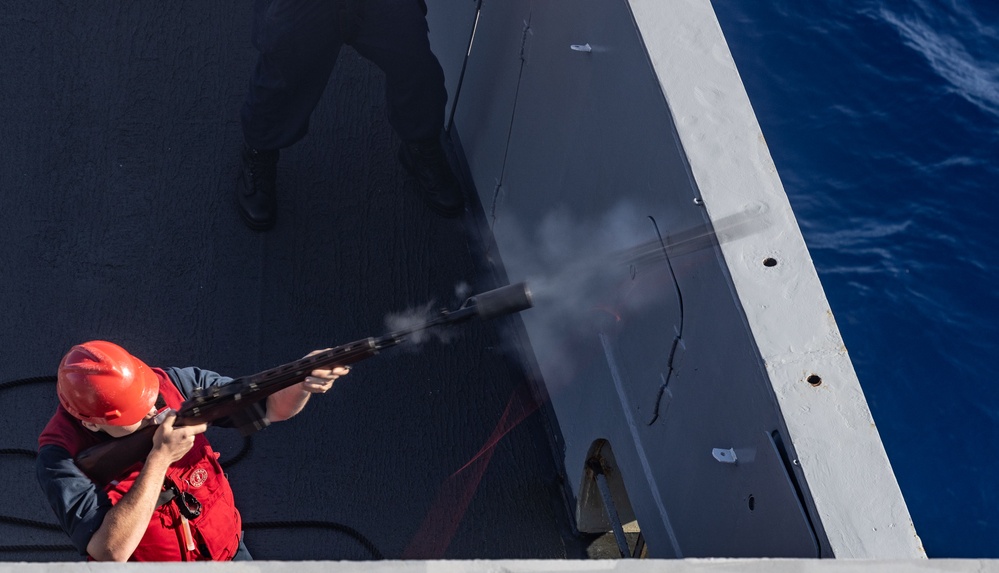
441, 522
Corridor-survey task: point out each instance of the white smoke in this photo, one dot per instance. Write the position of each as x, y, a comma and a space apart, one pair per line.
574, 269
589, 276
413, 319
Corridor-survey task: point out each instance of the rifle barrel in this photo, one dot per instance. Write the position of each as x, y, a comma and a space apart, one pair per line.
108, 460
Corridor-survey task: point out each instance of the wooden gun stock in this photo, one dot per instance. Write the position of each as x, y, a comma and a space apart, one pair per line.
108, 460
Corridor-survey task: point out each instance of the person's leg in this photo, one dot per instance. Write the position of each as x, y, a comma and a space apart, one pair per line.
393, 35
298, 41
242, 554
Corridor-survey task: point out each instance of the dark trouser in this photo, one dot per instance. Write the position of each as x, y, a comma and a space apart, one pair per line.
242, 554
299, 41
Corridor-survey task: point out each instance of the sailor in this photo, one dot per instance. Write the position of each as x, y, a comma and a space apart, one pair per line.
299, 41
176, 505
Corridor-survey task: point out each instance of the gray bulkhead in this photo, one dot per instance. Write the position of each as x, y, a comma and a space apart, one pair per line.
680, 332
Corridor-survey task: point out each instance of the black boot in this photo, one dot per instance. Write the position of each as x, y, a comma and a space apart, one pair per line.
426, 162
256, 195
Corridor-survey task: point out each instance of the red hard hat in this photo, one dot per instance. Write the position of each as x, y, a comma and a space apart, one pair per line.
101, 383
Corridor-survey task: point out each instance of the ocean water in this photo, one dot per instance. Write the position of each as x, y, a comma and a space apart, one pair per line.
883, 119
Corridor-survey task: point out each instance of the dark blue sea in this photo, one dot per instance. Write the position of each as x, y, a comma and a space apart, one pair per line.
883, 119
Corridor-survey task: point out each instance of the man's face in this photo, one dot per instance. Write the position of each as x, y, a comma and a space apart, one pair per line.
121, 431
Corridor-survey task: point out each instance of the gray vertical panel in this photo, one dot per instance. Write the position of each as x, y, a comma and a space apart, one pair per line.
592, 162
592, 140
489, 92
451, 23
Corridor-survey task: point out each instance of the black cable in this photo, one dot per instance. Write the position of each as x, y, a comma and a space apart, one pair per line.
29, 523
18, 452
679, 330
338, 527
35, 548
328, 525
26, 381
242, 453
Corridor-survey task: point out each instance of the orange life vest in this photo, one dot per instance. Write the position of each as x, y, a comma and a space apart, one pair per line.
214, 534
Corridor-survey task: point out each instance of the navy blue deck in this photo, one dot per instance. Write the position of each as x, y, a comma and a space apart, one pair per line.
119, 140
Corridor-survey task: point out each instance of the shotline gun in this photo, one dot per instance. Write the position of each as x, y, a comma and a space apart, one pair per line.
240, 401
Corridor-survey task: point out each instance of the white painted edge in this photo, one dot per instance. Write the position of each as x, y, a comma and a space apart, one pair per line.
847, 470
530, 566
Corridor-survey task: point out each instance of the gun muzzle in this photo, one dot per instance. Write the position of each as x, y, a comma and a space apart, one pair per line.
504, 300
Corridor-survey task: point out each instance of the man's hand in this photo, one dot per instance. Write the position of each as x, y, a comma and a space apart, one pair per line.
172, 443
125, 523
290, 401
322, 379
